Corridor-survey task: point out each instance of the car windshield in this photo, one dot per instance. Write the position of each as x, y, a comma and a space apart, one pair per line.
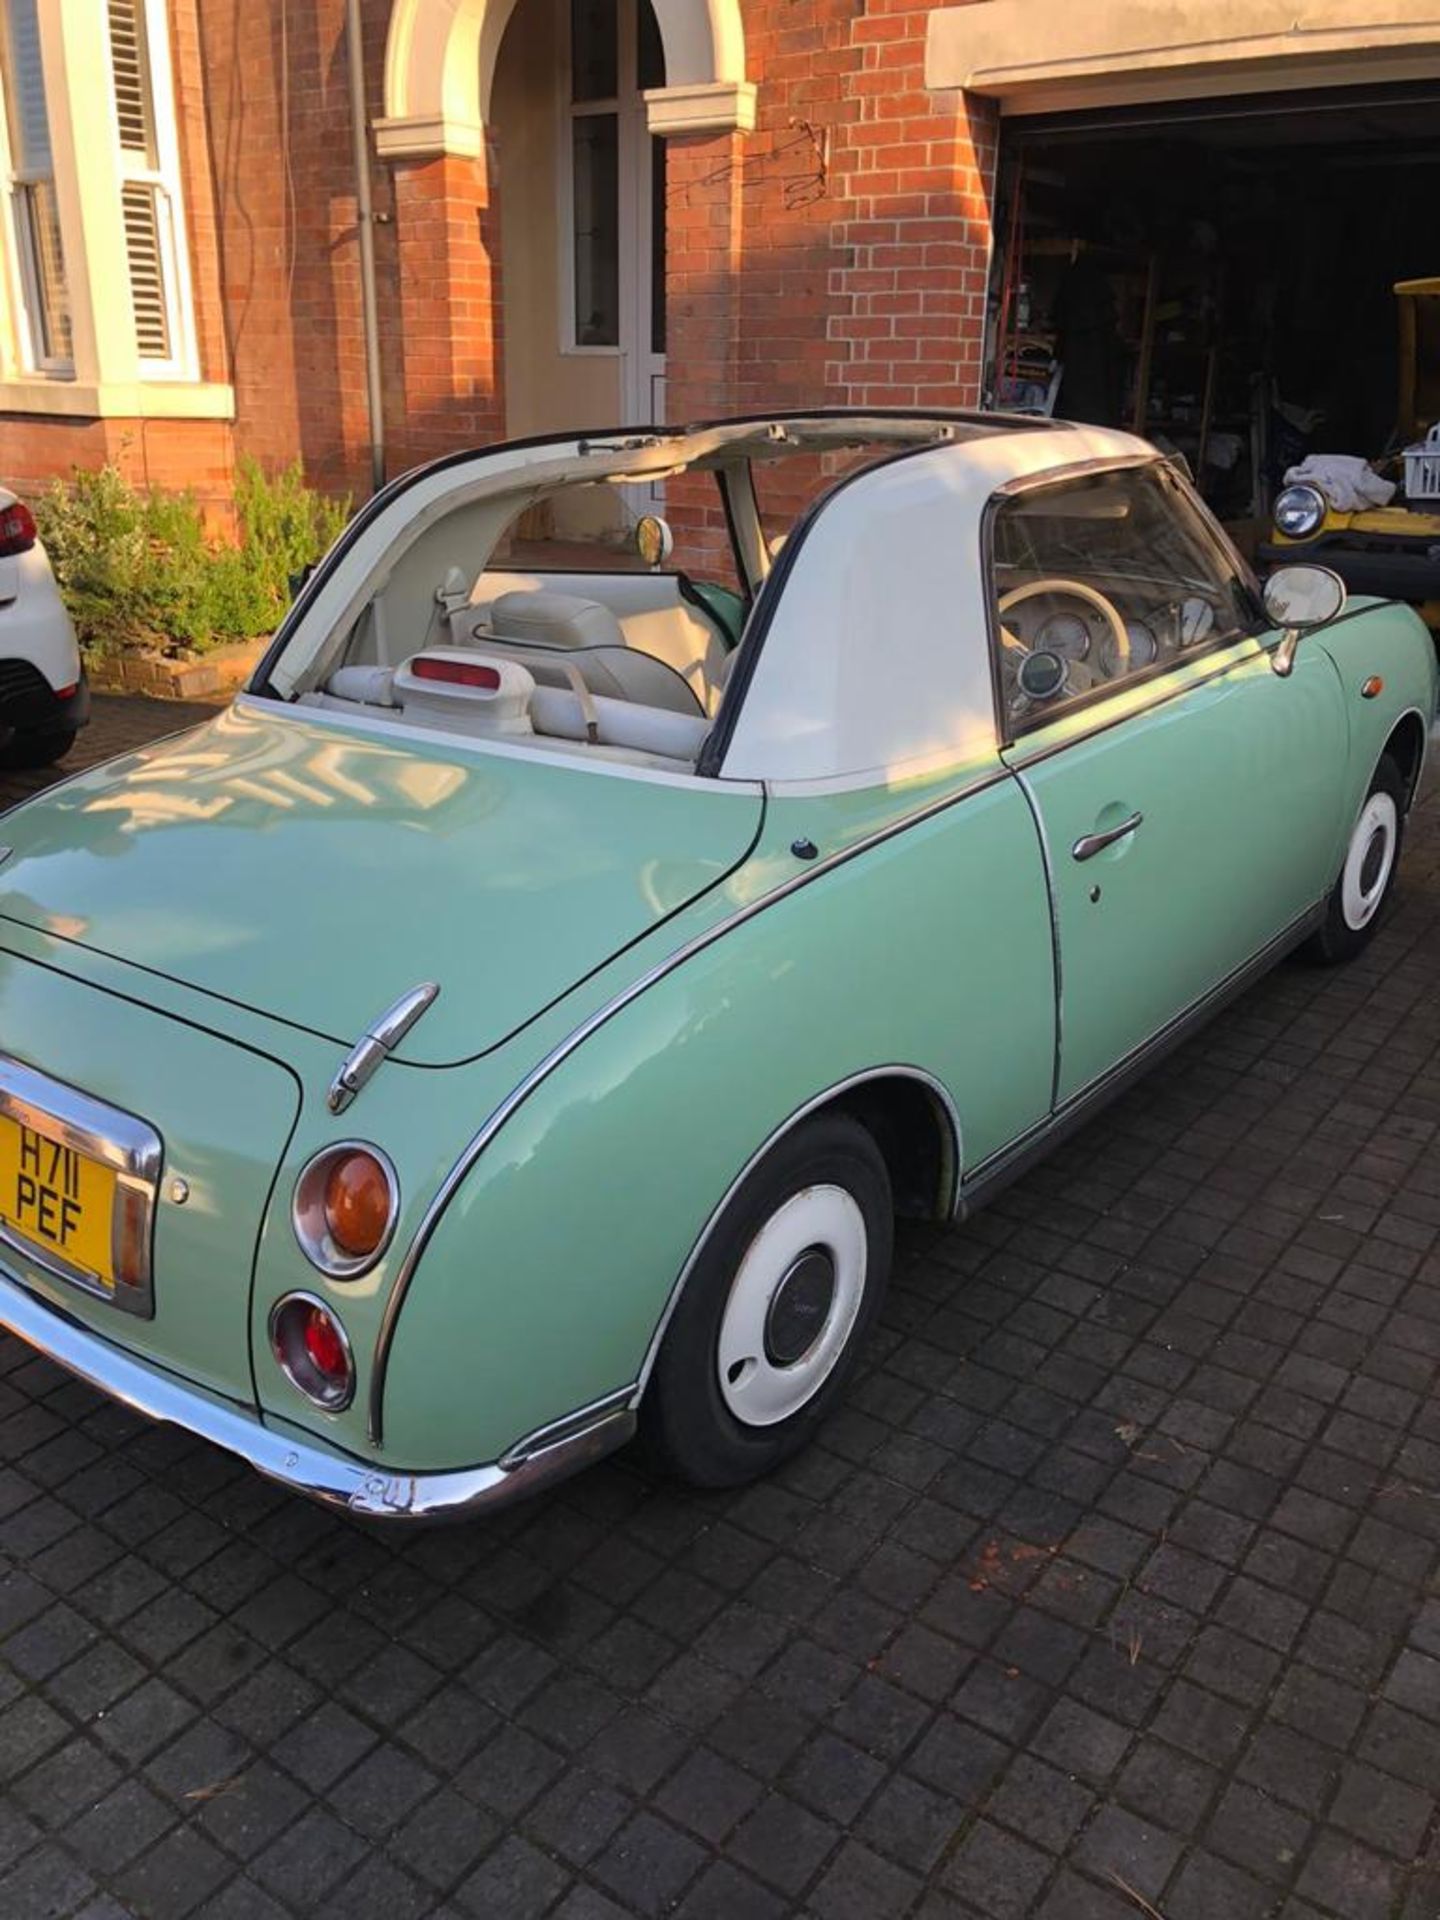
1138, 532
1102, 576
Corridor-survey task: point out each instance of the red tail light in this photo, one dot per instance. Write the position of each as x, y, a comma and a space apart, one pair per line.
17, 528
324, 1346
310, 1344
459, 673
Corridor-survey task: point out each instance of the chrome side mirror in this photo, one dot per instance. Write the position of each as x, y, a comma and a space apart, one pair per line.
1299, 599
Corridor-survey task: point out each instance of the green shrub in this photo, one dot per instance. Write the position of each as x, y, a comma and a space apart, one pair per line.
137, 568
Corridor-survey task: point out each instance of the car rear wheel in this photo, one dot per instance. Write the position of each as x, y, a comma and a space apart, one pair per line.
1359, 897
776, 1309
31, 749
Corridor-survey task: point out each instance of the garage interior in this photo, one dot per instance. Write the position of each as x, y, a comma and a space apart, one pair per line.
1218, 276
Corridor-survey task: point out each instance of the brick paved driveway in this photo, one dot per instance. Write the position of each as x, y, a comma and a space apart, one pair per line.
1111, 1594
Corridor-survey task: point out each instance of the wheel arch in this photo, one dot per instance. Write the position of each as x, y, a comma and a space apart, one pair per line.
906, 1109
1405, 745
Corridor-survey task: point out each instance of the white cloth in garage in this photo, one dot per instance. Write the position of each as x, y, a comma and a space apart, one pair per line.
1349, 483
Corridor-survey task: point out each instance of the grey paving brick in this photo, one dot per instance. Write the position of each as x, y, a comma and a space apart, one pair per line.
1118, 1845
516, 1882
782, 1843
1258, 1831
996, 1873
649, 1864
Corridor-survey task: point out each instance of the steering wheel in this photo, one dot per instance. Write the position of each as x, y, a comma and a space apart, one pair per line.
1077, 589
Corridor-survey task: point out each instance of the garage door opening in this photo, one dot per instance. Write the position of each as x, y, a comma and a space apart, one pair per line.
1219, 277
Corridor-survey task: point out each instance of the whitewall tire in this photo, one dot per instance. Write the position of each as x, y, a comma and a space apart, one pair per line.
1361, 893
776, 1307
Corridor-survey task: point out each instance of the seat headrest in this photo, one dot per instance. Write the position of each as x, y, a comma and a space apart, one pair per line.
554, 620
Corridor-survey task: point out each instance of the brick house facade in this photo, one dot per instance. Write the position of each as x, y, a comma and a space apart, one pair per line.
824, 231
828, 245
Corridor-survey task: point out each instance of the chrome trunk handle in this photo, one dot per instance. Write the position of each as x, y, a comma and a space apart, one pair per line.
1089, 844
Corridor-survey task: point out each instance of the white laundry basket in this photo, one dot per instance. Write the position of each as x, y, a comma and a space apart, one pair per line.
1422, 467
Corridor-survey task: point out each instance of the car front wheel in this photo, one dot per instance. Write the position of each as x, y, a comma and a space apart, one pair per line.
776, 1308
1359, 897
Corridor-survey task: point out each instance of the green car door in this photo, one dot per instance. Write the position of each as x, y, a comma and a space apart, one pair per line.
1185, 793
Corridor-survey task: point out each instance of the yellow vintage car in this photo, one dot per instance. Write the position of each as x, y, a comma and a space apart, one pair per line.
1394, 550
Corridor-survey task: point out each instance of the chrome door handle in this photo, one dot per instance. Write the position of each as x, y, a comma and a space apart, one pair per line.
1089, 844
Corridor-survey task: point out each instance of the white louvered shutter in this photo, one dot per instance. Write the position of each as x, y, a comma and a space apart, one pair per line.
144, 246
145, 192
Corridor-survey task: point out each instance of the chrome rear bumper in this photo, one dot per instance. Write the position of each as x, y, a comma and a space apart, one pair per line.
307, 1466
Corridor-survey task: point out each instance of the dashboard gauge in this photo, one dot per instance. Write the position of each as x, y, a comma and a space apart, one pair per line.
1042, 675
1144, 647
1197, 617
1065, 634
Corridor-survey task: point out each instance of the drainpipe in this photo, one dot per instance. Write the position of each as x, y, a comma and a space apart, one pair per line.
365, 227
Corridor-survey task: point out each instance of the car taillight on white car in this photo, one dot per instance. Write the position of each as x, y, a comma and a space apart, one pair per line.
17, 529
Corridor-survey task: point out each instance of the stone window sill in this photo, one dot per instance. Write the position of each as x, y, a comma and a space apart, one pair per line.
114, 399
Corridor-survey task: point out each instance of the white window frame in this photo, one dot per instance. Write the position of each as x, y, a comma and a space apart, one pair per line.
572, 110
22, 271
635, 181
164, 180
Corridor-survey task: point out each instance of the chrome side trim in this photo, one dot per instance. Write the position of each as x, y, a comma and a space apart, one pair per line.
1012, 1161
1052, 902
310, 1467
518, 1095
117, 1139
938, 1091
555, 1432
378, 1041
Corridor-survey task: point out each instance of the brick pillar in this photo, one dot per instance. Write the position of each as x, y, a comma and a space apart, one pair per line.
702, 293
915, 171
447, 246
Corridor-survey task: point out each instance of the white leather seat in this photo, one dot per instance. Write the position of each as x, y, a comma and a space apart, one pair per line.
658, 614
579, 636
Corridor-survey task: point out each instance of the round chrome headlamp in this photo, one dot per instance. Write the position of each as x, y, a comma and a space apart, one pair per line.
344, 1208
1299, 511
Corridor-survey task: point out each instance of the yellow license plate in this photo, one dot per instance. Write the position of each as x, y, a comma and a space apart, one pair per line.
58, 1200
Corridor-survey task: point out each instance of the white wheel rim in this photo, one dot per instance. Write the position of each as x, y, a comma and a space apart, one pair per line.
1368, 861
818, 1229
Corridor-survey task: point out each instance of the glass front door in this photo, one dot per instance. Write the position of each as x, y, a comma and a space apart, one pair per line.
613, 289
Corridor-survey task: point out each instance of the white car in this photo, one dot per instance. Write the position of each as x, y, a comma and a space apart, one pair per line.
44, 700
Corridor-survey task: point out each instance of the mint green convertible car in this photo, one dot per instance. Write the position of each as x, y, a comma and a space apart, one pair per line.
518, 1019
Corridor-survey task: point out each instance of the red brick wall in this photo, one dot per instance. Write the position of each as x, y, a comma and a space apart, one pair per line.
450, 384
913, 173
277, 77
857, 226
279, 126
172, 454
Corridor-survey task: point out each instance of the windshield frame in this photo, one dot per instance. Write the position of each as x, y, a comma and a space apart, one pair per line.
1010, 729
